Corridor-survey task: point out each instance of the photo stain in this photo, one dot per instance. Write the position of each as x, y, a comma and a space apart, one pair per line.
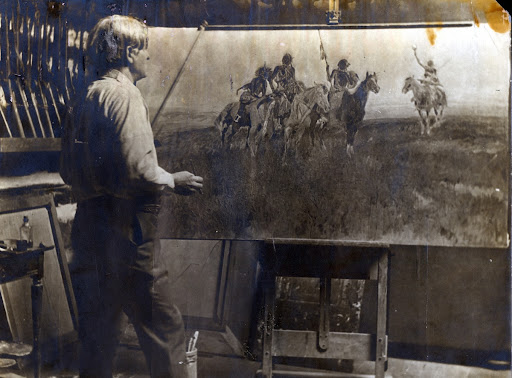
432, 35
497, 17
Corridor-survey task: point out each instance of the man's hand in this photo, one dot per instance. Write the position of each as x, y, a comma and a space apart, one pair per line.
186, 183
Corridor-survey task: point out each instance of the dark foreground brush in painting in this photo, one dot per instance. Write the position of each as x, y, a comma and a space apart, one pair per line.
446, 189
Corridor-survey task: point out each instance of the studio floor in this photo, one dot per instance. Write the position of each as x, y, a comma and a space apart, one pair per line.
217, 360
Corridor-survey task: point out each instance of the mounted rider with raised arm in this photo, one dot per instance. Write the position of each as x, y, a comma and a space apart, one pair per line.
254, 90
430, 75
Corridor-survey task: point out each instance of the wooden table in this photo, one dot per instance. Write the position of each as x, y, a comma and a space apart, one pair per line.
324, 260
18, 265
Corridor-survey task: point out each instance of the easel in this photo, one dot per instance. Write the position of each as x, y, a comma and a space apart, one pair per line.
324, 260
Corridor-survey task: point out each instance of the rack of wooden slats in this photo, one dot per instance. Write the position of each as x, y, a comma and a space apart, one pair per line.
40, 66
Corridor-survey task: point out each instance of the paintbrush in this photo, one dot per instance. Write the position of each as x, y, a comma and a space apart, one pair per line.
194, 340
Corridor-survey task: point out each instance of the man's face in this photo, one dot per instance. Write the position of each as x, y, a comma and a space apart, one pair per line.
139, 65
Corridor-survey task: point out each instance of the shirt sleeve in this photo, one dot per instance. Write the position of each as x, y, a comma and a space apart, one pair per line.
136, 148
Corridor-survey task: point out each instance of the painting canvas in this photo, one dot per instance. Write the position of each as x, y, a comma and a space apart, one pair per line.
403, 160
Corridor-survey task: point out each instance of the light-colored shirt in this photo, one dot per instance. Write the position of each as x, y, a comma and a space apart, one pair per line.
108, 146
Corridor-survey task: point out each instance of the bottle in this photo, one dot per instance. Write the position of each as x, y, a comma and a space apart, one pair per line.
26, 232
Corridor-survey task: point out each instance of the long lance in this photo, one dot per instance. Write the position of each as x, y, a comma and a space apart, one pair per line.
41, 29
49, 30
20, 68
31, 29
3, 98
14, 105
176, 79
323, 55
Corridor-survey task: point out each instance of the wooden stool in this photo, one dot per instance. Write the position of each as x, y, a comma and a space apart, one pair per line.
324, 260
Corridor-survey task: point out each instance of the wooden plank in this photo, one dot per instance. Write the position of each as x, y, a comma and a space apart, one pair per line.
325, 302
18, 203
382, 310
342, 345
303, 372
269, 287
63, 263
29, 144
327, 242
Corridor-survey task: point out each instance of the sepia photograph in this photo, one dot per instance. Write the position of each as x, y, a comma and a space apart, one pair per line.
255, 188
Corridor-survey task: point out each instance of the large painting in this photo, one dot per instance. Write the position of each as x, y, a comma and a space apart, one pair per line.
396, 135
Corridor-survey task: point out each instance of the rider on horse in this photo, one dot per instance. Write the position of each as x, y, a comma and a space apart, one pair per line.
430, 79
341, 78
255, 89
284, 86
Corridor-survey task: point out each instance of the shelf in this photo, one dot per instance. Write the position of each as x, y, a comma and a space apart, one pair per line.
29, 145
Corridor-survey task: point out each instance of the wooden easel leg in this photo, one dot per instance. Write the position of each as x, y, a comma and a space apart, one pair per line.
37, 302
382, 294
269, 287
325, 301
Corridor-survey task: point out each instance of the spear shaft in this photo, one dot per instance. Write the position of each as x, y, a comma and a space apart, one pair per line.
323, 55
8, 71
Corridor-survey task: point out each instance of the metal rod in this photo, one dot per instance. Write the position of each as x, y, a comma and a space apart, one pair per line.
396, 25
177, 78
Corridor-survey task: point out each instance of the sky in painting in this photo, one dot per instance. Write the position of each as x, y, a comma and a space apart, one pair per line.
473, 65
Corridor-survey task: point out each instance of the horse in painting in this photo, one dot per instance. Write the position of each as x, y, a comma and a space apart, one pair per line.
259, 122
426, 98
308, 112
351, 111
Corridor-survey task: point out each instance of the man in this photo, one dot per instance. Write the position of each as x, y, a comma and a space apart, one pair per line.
284, 86
430, 74
341, 78
254, 90
109, 159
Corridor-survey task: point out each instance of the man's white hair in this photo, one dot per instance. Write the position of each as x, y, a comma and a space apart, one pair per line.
108, 40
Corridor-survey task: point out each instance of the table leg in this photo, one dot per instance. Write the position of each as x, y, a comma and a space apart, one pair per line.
37, 302
382, 308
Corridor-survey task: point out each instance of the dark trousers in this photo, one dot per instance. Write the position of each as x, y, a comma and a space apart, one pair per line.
115, 268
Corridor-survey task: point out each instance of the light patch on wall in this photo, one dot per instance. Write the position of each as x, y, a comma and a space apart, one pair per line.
66, 213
